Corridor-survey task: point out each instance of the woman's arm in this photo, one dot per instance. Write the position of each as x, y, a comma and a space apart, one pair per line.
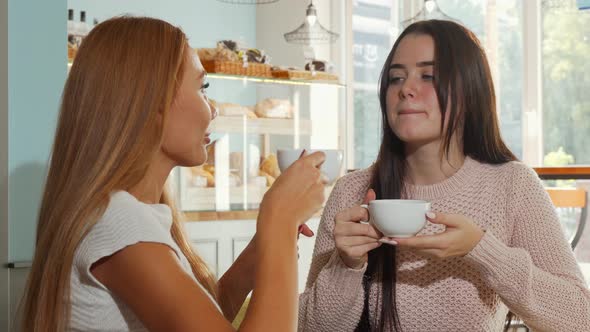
537, 276
148, 277
237, 282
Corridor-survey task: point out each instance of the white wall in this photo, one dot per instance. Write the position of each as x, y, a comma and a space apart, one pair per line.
204, 21
321, 104
274, 20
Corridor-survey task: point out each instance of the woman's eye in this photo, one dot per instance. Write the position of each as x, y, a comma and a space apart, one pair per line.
395, 79
427, 77
204, 87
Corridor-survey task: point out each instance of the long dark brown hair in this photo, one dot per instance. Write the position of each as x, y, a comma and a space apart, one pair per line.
463, 82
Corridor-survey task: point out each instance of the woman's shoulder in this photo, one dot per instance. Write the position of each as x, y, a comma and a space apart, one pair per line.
513, 175
353, 186
514, 170
356, 179
126, 220
125, 208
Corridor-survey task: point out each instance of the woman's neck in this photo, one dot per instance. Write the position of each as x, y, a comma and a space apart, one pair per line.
428, 165
149, 189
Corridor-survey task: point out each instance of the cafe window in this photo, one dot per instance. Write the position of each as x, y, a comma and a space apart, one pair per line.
565, 68
498, 24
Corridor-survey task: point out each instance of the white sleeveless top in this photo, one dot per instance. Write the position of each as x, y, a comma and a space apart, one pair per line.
126, 221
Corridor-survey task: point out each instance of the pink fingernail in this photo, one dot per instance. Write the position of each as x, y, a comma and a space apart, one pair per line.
431, 215
388, 241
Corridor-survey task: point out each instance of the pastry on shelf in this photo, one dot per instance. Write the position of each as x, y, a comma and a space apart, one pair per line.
207, 53
269, 178
209, 168
321, 70
230, 58
254, 55
270, 166
229, 44
274, 108
290, 73
230, 109
321, 76
237, 68
320, 65
201, 178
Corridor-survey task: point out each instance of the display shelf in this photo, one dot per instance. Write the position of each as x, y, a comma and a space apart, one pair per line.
194, 216
241, 124
268, 80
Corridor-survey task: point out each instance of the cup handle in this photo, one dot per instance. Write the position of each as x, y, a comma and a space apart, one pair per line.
365, 206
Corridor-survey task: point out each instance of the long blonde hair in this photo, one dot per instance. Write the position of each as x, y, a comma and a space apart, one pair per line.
125, 75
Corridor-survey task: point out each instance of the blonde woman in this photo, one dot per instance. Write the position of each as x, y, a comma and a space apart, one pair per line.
110, 250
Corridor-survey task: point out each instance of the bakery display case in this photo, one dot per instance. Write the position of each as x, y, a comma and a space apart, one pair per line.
257, 115
261, 109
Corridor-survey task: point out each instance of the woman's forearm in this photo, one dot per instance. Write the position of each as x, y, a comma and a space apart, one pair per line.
274, 302
237, 282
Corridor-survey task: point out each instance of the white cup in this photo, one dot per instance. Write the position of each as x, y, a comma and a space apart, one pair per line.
331, 167
398, 217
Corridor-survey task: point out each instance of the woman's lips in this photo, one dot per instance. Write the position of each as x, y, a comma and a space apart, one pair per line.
410, 111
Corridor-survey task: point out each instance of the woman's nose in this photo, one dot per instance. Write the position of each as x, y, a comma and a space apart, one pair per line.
408, 89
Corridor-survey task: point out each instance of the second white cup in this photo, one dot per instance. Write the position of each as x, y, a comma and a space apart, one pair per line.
398, 217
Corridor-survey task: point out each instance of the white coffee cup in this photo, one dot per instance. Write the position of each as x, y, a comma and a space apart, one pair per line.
398, 217
331, 166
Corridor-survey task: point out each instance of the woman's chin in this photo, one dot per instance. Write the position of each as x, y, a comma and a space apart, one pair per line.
418, 139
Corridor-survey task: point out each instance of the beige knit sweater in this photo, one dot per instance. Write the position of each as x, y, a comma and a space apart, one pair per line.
523, 262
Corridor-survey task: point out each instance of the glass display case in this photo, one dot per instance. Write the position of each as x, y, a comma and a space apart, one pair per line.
257, 116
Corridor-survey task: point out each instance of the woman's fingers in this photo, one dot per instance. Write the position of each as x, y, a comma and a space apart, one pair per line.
357, 229
438, 241
305, 230
315, 159
354, 214
360, 250
445, 219
351, 241
369, 196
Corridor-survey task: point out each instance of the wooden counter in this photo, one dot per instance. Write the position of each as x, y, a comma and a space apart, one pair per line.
194, 216
563, 173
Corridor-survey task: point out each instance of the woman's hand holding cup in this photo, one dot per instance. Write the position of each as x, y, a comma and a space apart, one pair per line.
297, 193
353, 236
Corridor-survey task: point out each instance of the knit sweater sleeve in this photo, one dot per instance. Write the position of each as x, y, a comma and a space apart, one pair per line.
333, 299
536, 275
